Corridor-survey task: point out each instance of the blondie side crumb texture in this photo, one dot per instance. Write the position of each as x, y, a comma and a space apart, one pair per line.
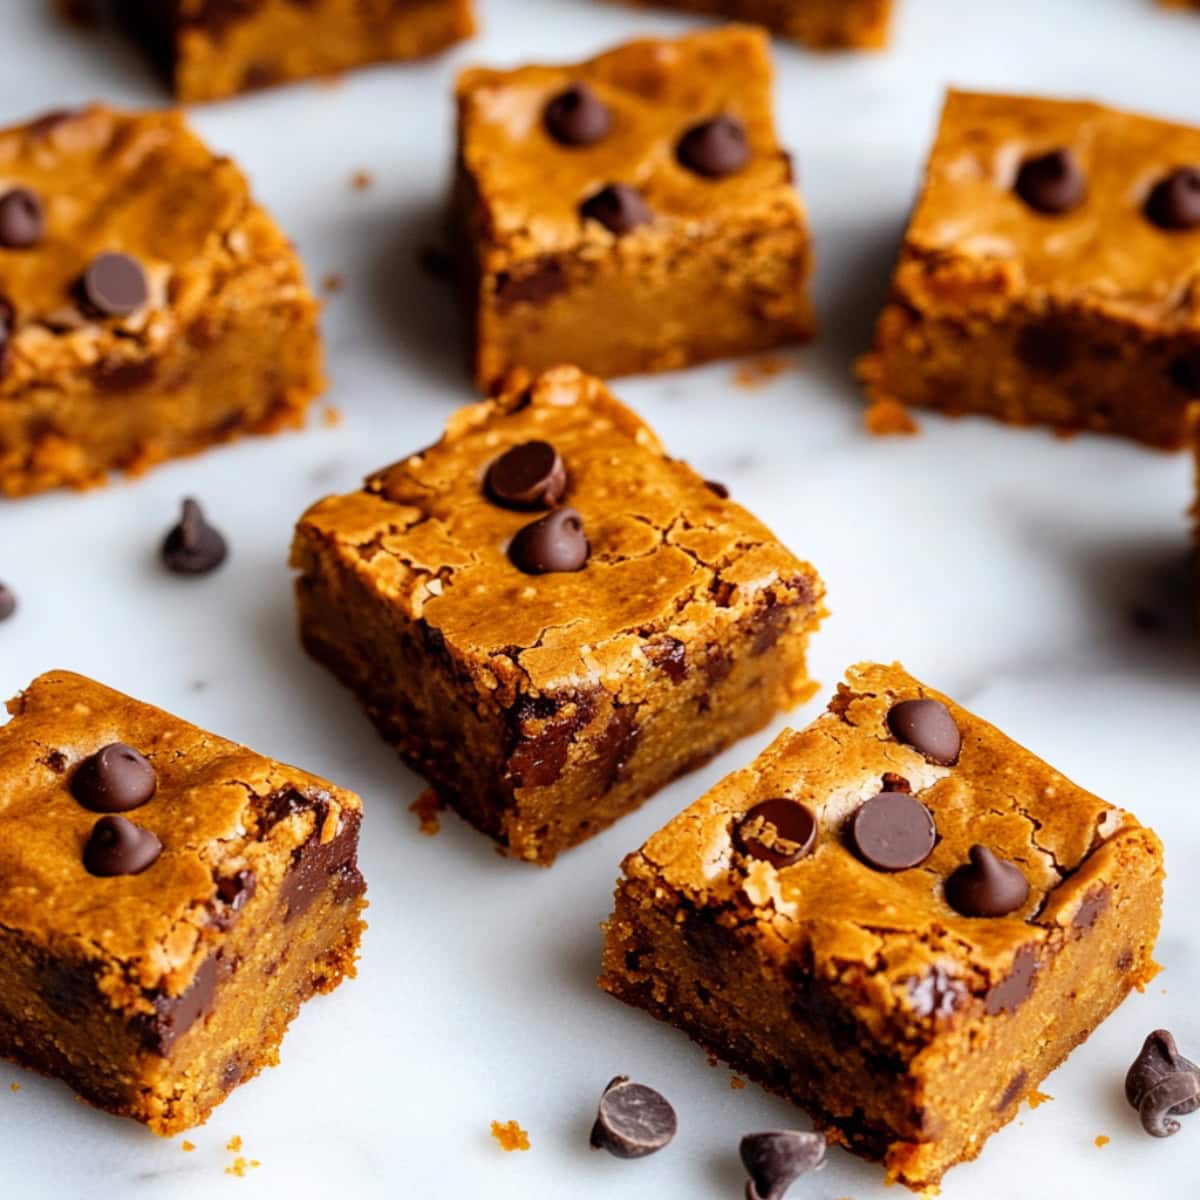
595, 204
817, 24
1194, 418
168, 900
210, 49
807, 920
544, 700
149, 307
1048, 274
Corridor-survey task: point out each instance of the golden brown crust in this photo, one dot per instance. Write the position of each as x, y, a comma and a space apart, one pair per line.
80, 393
1080, 319
546, 286
217, 811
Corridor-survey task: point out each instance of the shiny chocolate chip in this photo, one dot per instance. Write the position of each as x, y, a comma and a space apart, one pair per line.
986, 886
775, 1160
633, 1120
8, 602
779, 831
928, 727
1051, 183
1185, 372
8, 324
577, 117
893, 832
528, 476
114, 285
618, 207
1174, 202
22, 222
550, 545
1162, 1085
193, 546
117, 846
114, 780
714, 148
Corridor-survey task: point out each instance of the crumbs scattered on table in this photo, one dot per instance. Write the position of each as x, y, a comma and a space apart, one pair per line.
333, 282
1036, 1099
889, 418
758, 372
331, 416
737, 1082
334, 79
713, 1060
186, 1146
239, 1165
14, 1087
427, 806
1102, 1140
234, 1144
510, 1135
361, 180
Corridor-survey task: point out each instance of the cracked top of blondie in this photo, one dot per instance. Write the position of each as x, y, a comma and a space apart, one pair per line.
231, 824
672, 562
891, 935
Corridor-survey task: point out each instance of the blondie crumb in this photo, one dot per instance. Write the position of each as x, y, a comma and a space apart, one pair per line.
510, 1135
426, 807
234, 1144
889, 418
186, 1146
737, 1082
758, 372
1102, 1140
1036, 1099
361, 180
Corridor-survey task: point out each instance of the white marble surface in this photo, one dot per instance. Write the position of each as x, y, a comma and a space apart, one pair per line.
1003, 566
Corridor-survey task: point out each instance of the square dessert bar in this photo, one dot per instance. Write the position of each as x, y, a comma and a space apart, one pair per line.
549, 617
818, 24
168, 899
148, 306
210, 49
1048, 274
897, 917
632, 213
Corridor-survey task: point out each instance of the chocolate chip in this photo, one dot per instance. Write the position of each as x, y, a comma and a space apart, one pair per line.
714, 148
193, 547
1174, 202
233, 891
527, 476
114, 285
774, 1161
778, 831
1162, 1085
669, 654
577, 117
1051, 183
1016, 987
1047, 346
119, 847
1185, 372
8, 322
317, 866
928, 727
114, 780
533, 283
1090, 908
893, 832
554, 543
21, 220
987, 886
618, 207
173, 1016
717, 488
633, 1120
8, 602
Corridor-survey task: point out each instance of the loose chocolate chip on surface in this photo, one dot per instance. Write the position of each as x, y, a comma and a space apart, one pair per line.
774, 1161
8, 602
114, 780
193, 547
928, 727
1051, 183
119, 847
21, 220
893, 832
577, 117
633, 1120
1162, 1085
1174, 202
618, 207
778, 831
554, 543
114, 285
527, 476
1185, 372
715, 148
987, 886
